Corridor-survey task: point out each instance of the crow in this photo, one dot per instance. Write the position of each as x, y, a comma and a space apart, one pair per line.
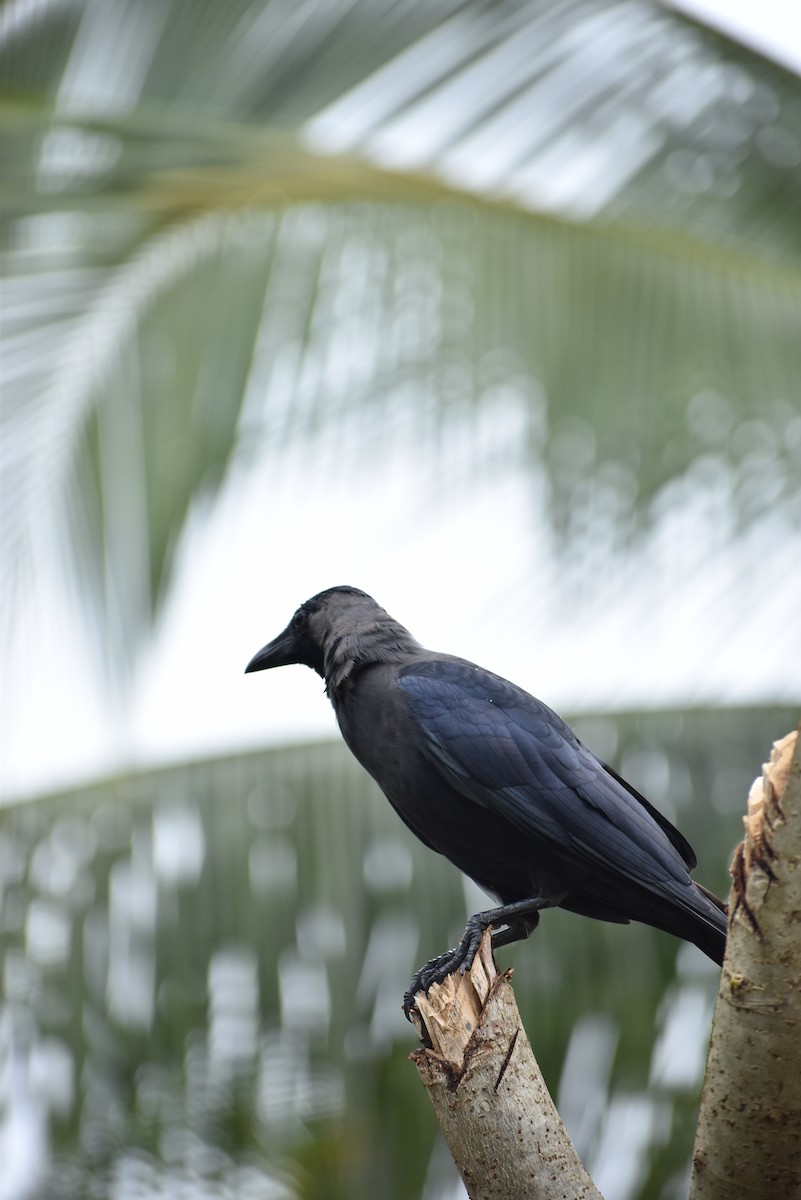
494, 780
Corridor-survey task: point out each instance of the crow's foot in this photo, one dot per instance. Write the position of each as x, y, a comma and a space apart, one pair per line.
460, 958
519, 917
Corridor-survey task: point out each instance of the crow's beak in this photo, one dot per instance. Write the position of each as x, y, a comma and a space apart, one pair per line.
280, 652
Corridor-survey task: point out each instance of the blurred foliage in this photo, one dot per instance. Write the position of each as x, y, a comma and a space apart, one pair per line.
203, 968
231, 228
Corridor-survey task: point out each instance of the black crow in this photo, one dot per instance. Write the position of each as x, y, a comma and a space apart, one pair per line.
493, 779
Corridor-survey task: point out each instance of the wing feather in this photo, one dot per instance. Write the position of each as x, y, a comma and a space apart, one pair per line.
503, 749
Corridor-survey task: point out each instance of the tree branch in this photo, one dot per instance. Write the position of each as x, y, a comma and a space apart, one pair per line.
500, 1123
748, 1142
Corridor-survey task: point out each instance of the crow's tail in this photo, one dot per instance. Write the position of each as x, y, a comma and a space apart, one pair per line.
710, 924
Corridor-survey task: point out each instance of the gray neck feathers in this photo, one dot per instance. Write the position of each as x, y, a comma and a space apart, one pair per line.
375, 638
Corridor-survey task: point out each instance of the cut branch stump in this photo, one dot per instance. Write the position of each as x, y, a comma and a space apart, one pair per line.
500, 1123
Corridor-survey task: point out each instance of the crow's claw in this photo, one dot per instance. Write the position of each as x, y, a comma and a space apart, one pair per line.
460, 958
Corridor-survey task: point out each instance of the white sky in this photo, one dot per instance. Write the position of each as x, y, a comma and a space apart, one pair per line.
771, 26
472, 575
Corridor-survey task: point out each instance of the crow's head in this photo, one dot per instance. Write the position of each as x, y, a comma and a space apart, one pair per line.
332, 633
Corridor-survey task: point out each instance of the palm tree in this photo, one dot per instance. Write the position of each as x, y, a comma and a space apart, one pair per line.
538, 256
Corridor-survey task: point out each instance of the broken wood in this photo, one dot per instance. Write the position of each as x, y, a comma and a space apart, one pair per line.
500, 1123
748, 1144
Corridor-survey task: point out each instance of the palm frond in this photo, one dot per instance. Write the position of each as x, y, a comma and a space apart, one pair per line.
228, 229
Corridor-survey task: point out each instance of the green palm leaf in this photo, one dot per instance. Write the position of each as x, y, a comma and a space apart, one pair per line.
205, 262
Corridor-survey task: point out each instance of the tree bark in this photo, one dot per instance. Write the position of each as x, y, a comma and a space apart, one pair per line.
748, 1143
500, 1123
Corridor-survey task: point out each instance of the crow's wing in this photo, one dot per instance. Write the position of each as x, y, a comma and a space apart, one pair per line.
503, 749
